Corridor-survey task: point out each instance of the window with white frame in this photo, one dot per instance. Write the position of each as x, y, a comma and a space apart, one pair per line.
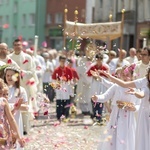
6, 40
15, 7
1, 20
148, 10
49, 19
7, 19
7, 1
1, 2
15, 32
58, 18
83, 13
32, 19
101, 3
24, 20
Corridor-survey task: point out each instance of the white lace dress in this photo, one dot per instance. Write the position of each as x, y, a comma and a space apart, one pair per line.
121, 128
12, 100
143, 124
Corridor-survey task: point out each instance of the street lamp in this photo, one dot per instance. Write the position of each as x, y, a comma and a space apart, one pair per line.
1, 33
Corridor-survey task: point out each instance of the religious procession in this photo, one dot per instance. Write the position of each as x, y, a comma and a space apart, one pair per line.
88, 90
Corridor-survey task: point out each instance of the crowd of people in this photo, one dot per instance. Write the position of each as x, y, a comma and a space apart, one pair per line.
94, 80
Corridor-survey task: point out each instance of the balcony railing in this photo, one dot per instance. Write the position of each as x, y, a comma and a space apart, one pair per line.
129, 16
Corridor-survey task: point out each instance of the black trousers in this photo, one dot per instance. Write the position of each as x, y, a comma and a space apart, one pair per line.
49, 91
62, 108
97, 110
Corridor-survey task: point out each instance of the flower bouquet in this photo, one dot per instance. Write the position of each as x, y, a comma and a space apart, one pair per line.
55, 85
124, 104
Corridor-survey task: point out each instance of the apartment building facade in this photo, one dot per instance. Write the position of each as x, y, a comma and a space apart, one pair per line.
21, 18
136, 21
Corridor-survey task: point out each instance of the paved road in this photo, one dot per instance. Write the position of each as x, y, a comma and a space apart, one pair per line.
78, 134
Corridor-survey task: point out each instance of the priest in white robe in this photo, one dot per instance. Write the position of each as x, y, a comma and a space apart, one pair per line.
27, 67
4, 56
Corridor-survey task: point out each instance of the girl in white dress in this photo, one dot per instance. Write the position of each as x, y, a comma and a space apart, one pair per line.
17, 97
122, 125
8, 126
143, 125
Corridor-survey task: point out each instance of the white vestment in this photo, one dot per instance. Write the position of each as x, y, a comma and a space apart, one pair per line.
143, 124
83, 87
27, 67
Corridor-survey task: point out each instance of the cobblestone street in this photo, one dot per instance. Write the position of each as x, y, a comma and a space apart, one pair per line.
78, 134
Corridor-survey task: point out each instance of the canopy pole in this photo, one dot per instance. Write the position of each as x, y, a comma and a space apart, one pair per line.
35, 44
122, 26
108, 39
75, 27
65, 19
110, 17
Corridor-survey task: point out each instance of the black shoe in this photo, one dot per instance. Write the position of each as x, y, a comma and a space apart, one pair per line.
83, 112
25, 133
86, 113
36, 117
92, 116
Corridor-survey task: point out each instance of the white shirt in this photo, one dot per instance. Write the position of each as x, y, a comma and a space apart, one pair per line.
132, 60
140, 70
114, 62
47, 76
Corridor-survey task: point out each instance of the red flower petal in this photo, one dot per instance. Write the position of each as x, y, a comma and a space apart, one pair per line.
85, 127
64, 78
9, 61
46, 113
44, 44
27, 139
26, 61
16, 104
20, 38
25, 43
30, 82
38, 68
32, 98
22, 74
32, 48
36, 114
5, 26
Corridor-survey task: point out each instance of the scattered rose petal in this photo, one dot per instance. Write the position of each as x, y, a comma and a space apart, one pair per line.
38, 68
9, 61
85, 127
5, 26
26, 61
46, 113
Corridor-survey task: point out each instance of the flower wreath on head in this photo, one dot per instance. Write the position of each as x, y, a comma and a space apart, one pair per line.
2, 68
12, 68
129, 68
